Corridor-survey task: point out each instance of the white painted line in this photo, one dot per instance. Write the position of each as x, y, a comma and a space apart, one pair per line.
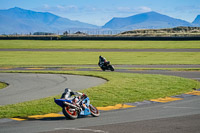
196, 78
77, 129
180, 107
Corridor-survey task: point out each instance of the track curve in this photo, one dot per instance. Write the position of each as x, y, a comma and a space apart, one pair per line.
26, 87
181, 116
174, 117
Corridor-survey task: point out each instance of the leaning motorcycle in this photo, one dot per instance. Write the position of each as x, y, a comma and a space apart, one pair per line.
72, 110
106, 66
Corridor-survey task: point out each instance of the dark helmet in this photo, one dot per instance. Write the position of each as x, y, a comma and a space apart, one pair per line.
67, 90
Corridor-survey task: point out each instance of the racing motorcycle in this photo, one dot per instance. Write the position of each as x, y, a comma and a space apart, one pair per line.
72, 110
106, 66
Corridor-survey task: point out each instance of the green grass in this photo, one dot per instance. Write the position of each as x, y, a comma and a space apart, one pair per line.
34, 44
23, 58
120, 88
2, 85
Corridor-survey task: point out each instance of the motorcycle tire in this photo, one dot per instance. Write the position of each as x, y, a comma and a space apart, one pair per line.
69, 114
102, 68
94, 111
111, 68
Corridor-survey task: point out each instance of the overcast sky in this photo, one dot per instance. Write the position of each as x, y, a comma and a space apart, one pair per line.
99, 12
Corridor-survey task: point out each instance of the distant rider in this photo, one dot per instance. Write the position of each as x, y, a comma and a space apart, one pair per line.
102, 61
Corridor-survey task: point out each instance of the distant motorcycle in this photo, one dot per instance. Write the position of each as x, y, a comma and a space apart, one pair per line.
71, 110
105, 65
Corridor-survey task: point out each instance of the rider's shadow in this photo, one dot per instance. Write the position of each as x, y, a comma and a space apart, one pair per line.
56, 118
52, 119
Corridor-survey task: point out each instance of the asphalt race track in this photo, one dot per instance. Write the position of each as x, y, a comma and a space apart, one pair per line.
26, 87
173, 117
176, 117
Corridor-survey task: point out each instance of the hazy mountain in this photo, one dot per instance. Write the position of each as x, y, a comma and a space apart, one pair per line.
17, 20
196, 22
149, 20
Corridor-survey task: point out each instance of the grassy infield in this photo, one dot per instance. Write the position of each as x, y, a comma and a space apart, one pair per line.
2, 85
61, 58
26, 44
120, 88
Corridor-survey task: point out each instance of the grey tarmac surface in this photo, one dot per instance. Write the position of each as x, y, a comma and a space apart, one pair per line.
179, 116
25, 87
174, 117
184, 124
185, 74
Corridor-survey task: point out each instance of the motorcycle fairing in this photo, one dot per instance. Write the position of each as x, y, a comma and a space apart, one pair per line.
60, 102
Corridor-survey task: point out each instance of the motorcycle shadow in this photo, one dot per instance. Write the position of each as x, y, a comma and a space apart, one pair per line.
50, 118
62, 118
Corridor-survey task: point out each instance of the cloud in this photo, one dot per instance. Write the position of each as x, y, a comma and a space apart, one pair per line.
188, 12
67, 8
144, 9
124, 9
127, 11
188, 8
46, 6
95, 15
134, 10
58, 8
92, 9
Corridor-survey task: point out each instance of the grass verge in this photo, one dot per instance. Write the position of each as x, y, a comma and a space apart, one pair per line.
36, 44
17, 58
2, 85
120, 88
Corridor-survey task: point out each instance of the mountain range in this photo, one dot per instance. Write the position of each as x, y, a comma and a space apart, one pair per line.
149, 20
196, 22
17, 20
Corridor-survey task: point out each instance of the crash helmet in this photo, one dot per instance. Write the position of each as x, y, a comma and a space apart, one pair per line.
67, 90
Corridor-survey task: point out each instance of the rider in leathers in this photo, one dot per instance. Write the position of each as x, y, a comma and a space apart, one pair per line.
102, 61
77, 100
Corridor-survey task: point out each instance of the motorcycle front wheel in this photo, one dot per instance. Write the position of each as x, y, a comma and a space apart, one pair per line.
111, 68
69, 112
94, 111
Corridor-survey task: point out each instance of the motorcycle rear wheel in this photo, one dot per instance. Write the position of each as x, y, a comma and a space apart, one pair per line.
69, 113
94, 111
103, 68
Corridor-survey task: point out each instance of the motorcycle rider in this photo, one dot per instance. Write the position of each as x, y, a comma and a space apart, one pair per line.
79, 97
102, 61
